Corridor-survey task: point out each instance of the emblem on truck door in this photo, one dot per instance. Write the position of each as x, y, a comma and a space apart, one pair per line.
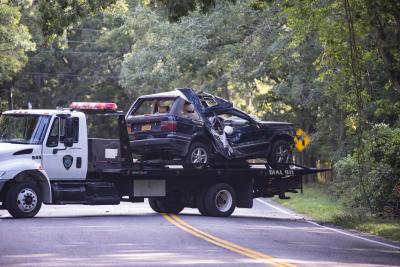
67, 161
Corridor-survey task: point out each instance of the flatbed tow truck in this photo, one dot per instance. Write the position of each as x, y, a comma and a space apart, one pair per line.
52, 157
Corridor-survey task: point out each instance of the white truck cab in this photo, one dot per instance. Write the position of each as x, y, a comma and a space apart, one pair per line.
34, 149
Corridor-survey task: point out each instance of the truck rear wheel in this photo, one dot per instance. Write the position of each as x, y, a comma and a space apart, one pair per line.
24, 200
220, 200
154, 205
169, 205
200, 201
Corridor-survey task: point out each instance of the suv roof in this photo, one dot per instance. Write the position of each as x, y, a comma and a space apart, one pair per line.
170, 94
202, 101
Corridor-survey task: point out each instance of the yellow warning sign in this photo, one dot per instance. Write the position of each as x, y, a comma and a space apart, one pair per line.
301, 140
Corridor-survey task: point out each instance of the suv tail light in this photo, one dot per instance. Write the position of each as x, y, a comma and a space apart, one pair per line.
168, 126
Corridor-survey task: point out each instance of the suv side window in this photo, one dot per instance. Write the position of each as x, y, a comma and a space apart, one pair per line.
52, 140
154, 106
188, 111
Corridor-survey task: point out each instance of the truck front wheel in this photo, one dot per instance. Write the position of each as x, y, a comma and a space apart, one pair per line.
23, 200
220, 200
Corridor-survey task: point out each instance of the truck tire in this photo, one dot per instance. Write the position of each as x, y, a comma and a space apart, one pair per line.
200, 201
24, 200
170, 205
281, 153
154, 205
220, 200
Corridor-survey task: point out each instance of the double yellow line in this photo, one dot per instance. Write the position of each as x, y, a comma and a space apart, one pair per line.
175, 220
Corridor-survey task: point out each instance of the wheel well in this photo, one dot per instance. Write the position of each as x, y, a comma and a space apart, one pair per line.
283, 137
36, 176
201, 139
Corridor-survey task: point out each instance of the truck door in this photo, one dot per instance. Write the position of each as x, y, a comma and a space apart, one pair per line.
65, 163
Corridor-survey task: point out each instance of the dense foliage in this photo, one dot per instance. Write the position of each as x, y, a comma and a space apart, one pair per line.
332, 67
380, 174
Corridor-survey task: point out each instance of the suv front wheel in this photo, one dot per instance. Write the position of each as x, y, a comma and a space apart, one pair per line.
281, 153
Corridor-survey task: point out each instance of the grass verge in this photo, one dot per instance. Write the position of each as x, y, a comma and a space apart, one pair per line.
317, 203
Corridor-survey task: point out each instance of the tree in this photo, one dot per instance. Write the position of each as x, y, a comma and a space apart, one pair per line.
64, 63
15, 41
59, 15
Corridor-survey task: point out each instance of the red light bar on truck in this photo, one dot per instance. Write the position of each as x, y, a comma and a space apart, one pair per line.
93, 106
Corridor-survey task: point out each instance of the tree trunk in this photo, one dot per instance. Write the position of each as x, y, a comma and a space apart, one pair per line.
226, 93
342, 128
387, 56
10, 98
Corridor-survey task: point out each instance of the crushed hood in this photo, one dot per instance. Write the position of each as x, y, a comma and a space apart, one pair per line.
274, 123
197, 99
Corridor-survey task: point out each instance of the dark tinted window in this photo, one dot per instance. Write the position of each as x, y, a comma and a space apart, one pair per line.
75, 129
105, 127
54, 136
57, 132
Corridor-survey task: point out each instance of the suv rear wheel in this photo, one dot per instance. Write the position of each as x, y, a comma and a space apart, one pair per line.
198, 153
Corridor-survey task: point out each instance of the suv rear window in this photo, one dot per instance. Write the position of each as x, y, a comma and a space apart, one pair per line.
154, 106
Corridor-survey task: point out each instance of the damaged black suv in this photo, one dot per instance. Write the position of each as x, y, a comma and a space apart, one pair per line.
200, 128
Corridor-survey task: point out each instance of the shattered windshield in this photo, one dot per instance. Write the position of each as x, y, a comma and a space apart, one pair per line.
23, 129
254, 117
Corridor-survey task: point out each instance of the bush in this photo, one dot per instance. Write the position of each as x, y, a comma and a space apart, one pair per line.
380, 168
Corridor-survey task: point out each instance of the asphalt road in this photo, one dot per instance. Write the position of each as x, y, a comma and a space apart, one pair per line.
132, 234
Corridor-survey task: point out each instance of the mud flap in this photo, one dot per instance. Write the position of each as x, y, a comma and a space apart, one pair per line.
245, 193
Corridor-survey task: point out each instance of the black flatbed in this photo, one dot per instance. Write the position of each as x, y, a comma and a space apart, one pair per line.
253, 170
171, 185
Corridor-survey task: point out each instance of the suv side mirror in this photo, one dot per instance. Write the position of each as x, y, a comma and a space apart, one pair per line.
69, 133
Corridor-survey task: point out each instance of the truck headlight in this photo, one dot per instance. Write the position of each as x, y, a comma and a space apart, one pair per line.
2, 173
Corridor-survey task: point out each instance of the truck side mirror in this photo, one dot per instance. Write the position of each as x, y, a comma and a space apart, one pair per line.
69, 132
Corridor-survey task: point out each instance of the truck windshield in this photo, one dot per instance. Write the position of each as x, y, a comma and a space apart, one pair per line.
23, 128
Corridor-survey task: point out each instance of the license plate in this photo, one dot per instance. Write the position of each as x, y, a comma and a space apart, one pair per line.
146, 127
